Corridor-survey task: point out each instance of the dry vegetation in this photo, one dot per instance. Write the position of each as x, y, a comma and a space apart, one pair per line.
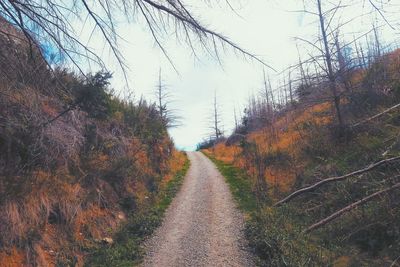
350, 219
75, 161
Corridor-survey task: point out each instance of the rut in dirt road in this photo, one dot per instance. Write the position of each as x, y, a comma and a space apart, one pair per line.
202, 227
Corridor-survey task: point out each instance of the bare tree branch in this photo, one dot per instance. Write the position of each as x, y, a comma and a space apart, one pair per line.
349, 207
204, 31
51, 22
381, 14
376, 116
335, 179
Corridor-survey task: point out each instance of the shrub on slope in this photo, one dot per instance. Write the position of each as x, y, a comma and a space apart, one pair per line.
75, 161
299, 148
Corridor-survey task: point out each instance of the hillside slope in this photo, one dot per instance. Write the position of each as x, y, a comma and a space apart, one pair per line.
75, 161
349, 220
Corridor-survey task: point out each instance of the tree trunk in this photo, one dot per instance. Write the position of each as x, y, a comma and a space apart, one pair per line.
331, 74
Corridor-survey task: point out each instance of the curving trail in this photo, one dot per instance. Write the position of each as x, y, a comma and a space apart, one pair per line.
202, 227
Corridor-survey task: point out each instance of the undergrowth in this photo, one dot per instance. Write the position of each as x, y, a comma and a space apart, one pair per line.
365, 236
127, 249
271, 235
239, 184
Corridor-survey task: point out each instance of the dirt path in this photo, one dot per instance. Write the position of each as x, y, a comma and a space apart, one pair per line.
202, 227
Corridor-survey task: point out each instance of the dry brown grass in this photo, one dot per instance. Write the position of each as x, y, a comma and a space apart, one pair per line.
175, 164
287, 135
66, 182
12, 257
58, 201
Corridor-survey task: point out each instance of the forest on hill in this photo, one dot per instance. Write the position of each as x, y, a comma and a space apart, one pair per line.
321, 158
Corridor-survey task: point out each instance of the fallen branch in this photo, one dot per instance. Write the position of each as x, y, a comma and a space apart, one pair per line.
349, 207
335, 179
394, 262
376, 116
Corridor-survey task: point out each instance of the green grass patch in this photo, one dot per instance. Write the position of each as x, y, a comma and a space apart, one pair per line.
274, 236
127, 248
239, 183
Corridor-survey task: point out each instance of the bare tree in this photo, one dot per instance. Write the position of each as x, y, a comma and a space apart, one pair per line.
330, 56
236, 119
328, 60
50, 21
344, 65
161, 95
267, 92
378, 47
164, 100
290, 87
216, 119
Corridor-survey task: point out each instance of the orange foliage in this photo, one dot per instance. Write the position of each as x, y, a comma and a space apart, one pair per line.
70, 182
12, 258
228, 154
287, 134
141, 193
100, 161
49, 109
357, 76
140, 157
44, 257
287, 130
343, 261
93, 223
394, 62
176, 163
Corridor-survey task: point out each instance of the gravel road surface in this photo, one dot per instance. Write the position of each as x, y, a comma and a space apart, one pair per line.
202, 227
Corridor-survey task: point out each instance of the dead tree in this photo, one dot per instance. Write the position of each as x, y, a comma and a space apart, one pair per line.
236, 119
50, 21
271, 93
343, 64
378, 49
359, 59
350, 207
266, 92
363, 57
164, 100
329, 54
290, 88
285, 90
336, 179
304, 82
328, 60
216, 120
161, 95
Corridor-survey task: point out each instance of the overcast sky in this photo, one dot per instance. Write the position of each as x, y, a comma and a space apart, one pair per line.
265, 27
